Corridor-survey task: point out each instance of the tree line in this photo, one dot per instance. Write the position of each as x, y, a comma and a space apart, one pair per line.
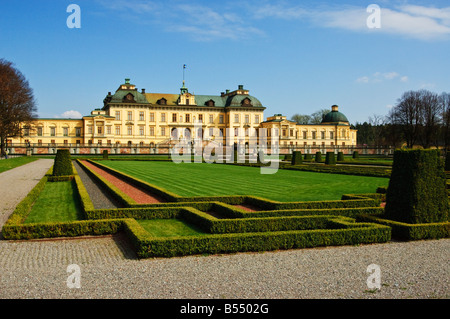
420, 118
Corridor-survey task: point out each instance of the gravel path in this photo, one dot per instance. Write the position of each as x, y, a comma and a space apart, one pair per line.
38, 269
139, 195
99, 197
16, 183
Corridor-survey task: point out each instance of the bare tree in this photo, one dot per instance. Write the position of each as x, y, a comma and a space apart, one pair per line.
431, 112
406, 116
377, 123
17, 105
301, 119
444, 100
418, 116
317, 117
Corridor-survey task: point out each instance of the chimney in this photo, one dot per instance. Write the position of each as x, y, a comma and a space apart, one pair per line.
143, 91
227, 91
109, 93
240, 87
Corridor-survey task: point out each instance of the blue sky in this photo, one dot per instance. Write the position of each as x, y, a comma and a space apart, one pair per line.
294, 56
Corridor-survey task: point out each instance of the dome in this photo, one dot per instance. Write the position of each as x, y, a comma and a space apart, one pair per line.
334, 116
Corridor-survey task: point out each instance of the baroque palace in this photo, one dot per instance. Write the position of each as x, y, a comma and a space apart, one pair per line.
133, 121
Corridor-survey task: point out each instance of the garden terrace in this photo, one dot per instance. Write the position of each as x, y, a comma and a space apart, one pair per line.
183, 225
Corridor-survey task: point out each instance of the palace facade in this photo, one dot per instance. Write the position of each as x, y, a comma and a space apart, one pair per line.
135, 119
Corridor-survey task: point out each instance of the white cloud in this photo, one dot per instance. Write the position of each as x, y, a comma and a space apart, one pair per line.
70, 115
363, 79
380, 77
197, 21
419, 22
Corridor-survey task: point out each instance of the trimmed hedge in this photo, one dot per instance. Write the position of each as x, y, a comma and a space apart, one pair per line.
62, 229
355, 155
318, 157
405, 231
147, 246
296, 158
340, 157
417, 189
63, 163
330, 159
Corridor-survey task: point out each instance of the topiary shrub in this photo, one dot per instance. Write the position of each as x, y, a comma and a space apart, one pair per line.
355, 155
105, 154
318, 157
63, 164
340, 157
417, 188
330, 159
296, 158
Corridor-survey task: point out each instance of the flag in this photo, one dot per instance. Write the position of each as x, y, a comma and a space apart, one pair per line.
184, 66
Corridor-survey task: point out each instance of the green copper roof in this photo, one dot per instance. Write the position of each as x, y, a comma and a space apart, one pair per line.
334, 116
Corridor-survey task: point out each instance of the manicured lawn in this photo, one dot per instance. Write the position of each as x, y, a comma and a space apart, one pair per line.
169, 228
56, 203
6, 164
192, 179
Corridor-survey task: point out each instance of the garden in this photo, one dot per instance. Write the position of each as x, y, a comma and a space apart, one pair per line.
168, 209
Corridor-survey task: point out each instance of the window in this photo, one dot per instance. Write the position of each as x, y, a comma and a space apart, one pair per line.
99, 130
78, 131
39, 142
108, 130
163, 131
141, 130
236, 131
39, 131
129, 130
200, 118
152, 117
188, 118
78, 141
211, 131
247, 119
313, 135
152, 131
52, 131
322, 135
174, 117
163, 117
331, 135
257, 119
211, 118
90, 129
291, 132
284, 132
304, 135
65, 131
236, 118
221, 119
117, 115
130, 115
141, 116
117, 130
